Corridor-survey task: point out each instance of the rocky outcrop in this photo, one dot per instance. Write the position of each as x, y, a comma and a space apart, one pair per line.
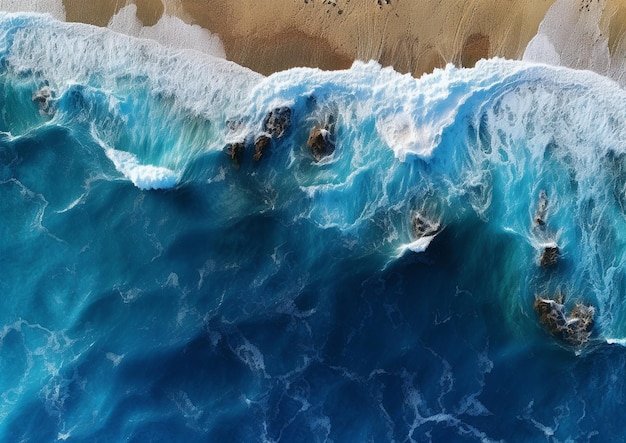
235, 152
550, 256
261, 145
320, 143
573, 329
277, 121
423, 227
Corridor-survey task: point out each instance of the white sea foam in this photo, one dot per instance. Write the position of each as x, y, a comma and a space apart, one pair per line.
116, 359
570, 35
143, 176
523, 106
419, 245
410, 115
52, 7
251, 355
169, 31
72, 53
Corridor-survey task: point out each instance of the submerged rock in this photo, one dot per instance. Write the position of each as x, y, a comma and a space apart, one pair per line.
320, 143
277, 121
423, 227
260, 145
550, 256
235, 152
573, 329
45, 98
234, 124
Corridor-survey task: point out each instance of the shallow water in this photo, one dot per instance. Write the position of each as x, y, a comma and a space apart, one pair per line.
156, 291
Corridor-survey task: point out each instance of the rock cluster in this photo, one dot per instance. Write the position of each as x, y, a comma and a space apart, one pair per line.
275, 125
573, 328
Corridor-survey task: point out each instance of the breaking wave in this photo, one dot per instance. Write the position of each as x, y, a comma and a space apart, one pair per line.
192, 251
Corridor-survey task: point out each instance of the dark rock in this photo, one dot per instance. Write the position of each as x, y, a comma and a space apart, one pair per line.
583, 315
320, 143
235, 152
573, 329
551, 314
261, 144
45, 98
277, 121
423, 227
550, 256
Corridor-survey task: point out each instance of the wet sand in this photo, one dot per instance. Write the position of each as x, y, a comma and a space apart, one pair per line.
416, 37
411, 36
99, 12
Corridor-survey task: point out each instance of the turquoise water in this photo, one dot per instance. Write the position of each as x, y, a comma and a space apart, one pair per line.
155, 290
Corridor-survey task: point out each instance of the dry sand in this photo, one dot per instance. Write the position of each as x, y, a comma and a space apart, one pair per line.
411, 35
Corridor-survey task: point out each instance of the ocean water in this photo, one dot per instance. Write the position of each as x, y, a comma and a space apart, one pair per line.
154, 290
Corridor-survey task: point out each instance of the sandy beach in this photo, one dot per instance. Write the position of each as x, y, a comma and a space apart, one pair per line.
412, 36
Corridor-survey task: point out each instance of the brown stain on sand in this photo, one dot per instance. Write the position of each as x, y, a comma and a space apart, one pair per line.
100, 12
290, 49
149, 11
617, 19
95, 12
476, 47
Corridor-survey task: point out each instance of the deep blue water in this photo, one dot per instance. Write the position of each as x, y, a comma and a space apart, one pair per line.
155, 291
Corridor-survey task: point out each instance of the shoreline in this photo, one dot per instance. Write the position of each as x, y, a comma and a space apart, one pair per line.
275, 35
394, 33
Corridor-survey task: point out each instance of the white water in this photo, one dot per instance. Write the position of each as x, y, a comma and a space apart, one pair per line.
98, 54
145, 177
570, 35
52, 7
525, 108
169, 31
